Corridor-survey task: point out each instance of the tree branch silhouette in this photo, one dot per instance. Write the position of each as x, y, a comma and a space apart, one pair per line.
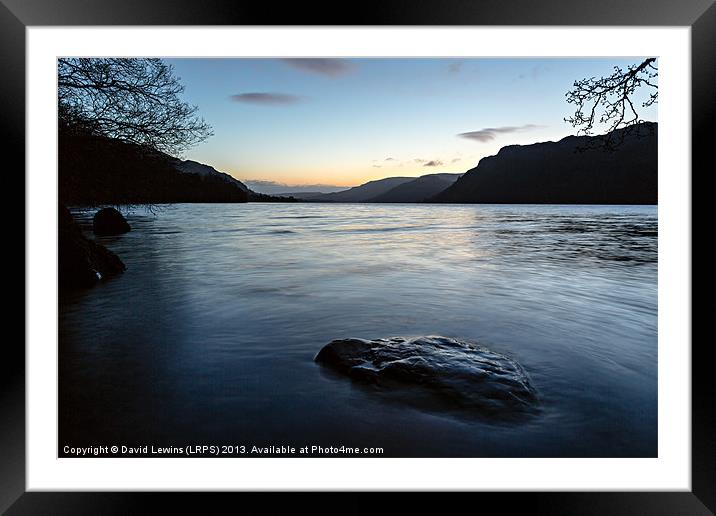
132, 100
609, 100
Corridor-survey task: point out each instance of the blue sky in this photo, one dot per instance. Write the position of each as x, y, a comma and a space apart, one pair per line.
346, 121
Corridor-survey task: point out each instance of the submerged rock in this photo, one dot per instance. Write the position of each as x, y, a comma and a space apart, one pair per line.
82, 262
436, 372
109, 221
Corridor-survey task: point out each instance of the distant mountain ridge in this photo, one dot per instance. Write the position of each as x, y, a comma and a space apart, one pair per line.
390, 189
418, 190
574, 170
364, 192
301, 195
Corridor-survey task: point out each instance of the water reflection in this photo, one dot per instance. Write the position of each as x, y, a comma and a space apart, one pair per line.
211, 332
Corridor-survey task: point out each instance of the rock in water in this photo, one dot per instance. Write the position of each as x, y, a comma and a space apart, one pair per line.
109, 221
437, 372
82, 262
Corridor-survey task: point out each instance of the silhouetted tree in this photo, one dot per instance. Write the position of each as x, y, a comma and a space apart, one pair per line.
609, 100
132, 100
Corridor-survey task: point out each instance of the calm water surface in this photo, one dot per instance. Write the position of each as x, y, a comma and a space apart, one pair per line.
209, 336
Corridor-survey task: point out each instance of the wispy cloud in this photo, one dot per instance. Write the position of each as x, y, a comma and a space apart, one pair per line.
265, 98
535, 72
389, 159
455, 160
322, 66
455, 67
433, 163
490, 133
418, 160
376, 166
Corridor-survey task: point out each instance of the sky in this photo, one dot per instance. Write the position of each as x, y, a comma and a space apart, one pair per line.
341, 122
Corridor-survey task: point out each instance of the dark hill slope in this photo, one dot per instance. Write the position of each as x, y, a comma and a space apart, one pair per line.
558, 173
95, 170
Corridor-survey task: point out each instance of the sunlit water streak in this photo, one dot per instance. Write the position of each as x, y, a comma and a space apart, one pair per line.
209, 336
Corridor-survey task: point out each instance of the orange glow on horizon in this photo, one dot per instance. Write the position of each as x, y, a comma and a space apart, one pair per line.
346, 177
316, 178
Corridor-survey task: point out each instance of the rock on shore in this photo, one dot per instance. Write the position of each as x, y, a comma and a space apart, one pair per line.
82, 262
109, 221
436, 372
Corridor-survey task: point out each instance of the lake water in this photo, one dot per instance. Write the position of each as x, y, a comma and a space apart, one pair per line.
210, 334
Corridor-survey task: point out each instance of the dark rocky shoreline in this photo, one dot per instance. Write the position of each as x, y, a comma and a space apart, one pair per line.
82, 261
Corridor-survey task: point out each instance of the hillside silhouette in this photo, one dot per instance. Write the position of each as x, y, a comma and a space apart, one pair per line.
96, 170
574, 170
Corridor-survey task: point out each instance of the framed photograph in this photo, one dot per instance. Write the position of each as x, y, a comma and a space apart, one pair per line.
440, 248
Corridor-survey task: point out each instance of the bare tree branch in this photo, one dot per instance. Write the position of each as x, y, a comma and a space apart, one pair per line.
608, 100
133, 100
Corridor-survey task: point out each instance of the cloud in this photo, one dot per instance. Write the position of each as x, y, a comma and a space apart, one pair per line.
376, 166
389, 159
433, 163
328, 67
266, 99
418, 160
455, 160
455, 67
490, 133
535, 72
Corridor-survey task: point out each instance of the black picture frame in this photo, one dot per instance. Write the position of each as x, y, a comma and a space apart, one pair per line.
17, 15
